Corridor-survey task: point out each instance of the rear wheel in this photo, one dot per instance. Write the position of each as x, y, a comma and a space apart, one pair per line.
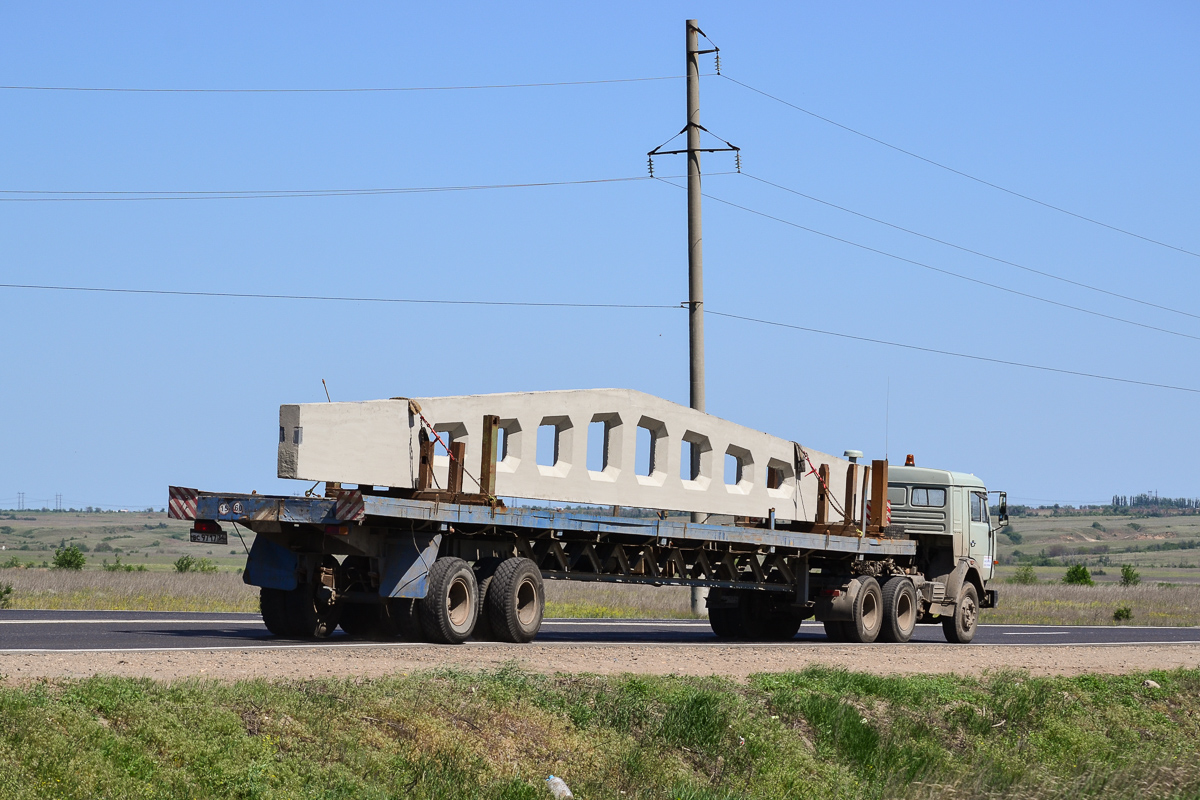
724, 622
960, 628
899, 610
516, 601
781, 626
275, 606
360, 620
485, 571
835, 631
451, 603
867, 621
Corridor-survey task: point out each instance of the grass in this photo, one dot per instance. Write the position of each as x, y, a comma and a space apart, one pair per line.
582, 599
817, 733
1060, 604
129, 591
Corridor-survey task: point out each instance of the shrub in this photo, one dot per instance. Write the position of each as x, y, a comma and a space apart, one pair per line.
69, 558
1129, 575
1078, 575
6, 591
12, 563
190, 564
1123, 614
104, 547
1024, 576
1012, 535
1099, 527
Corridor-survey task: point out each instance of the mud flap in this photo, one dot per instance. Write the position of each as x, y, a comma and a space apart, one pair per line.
406, 566
271, 565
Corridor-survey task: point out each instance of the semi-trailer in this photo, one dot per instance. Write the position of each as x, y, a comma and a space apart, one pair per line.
411, 538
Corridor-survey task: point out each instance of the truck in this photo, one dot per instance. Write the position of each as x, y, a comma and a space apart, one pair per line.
440, 519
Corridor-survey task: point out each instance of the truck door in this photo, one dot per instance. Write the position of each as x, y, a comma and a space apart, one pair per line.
981, 532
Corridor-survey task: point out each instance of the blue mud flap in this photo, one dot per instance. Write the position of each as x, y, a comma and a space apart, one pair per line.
407, 563
271, 565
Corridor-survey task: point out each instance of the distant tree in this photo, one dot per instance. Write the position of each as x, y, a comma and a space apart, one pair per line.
69, 558
1078, 575
1129, 575
1013, 536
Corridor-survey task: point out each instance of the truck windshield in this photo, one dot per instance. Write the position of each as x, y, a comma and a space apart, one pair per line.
935, 498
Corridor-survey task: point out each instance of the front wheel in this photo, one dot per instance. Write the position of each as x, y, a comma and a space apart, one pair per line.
960, 628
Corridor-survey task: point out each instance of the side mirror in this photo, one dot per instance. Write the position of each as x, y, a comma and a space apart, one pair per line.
1002, 517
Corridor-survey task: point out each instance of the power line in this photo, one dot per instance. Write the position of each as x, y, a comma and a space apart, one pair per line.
328, 298
243, 194
359, 90
950, 273
962, 174
501, 303
970, 356
997, 259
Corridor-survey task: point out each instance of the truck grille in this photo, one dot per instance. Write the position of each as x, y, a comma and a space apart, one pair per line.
920, 521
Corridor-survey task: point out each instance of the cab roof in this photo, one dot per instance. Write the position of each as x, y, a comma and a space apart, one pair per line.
935, 477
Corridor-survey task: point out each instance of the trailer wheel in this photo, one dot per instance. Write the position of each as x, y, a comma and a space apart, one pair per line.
899, 610
314, 616
400, 619
868, 613
780, 626
485, 570
451, 603
359, 620
960, 628
836, 631
275, 605
516, 601
724, 622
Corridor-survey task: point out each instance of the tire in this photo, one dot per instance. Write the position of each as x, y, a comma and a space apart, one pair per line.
780, 626
275, 605
516, 601
451, 604
899, 610
400, 619
752, 616
724, 622
868, 613
361, 620
485, 571
960, 628
835, 631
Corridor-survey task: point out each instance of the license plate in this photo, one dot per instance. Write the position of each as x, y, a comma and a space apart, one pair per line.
210, 538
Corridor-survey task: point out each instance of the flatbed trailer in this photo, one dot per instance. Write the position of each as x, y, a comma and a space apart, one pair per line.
416, 557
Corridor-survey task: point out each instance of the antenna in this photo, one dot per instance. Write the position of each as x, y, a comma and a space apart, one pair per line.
326, 391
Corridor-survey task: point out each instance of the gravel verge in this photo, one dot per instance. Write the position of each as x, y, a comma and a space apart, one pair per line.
302, 662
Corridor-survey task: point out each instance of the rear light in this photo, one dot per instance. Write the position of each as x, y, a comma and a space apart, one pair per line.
831, 593
337, 530
205, 526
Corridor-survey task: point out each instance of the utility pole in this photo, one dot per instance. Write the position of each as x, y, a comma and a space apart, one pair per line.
695, 238
695, 257
695, 302
20, 501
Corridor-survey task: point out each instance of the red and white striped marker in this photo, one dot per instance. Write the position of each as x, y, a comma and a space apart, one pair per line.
349, 507
888, 512
182, 504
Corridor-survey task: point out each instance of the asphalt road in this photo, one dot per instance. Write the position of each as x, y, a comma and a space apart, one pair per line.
37, 631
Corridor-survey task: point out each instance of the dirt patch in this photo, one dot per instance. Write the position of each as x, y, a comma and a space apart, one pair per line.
735, 661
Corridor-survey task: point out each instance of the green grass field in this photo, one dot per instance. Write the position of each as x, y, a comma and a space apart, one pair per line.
815, 734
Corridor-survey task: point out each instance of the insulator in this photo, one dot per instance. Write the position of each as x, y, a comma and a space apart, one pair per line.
718, 62
737, 159
650, 161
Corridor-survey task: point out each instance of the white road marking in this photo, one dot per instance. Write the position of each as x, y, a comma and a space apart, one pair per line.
1035, 633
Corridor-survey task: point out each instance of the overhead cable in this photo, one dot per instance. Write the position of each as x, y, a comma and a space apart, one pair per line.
335, 90
973, 252
334, 298
950, 273
937, 351
962, 174
742, 317
38, 195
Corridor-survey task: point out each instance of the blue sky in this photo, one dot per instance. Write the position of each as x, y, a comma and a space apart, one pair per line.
107, 399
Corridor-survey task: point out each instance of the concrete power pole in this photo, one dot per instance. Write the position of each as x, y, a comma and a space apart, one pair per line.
695, 255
